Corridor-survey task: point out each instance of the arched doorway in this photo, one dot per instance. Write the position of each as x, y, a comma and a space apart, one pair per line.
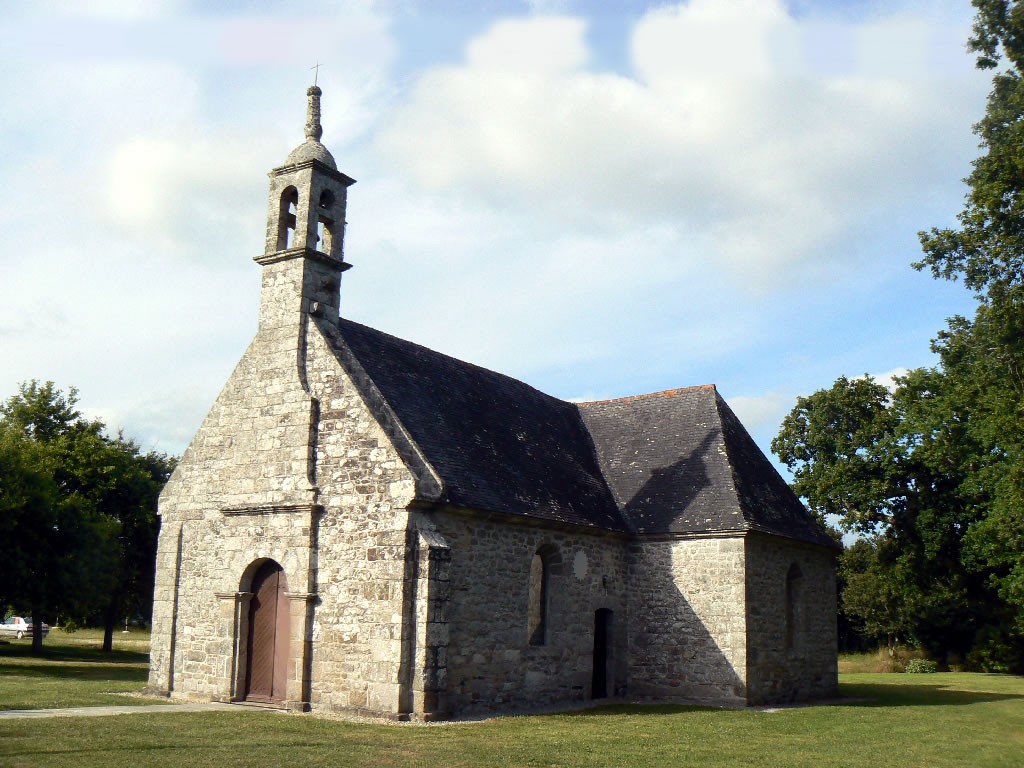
267, 646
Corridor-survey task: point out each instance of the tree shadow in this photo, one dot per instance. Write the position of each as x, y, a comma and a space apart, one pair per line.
673, 490
79, 653
620, 709
903, 695
42, 670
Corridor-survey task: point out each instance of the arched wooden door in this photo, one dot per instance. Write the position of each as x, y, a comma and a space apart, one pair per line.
267, 657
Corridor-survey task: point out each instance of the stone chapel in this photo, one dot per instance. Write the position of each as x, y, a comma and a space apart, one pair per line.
368, 525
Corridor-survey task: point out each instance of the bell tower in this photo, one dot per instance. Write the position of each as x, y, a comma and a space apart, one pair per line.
303, 258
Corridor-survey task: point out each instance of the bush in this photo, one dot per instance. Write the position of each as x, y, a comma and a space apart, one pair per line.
920, 666
994, 651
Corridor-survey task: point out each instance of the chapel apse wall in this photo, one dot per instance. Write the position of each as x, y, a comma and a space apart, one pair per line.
791, 621
687, 633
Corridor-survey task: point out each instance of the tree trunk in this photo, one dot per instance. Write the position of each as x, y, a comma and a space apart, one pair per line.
37, 631
113, 613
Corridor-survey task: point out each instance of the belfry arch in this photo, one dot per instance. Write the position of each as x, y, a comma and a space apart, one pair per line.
286, 219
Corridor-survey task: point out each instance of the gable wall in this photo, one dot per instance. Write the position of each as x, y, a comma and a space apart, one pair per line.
807, 669
252, 449
687, 634
344, 565
491, 665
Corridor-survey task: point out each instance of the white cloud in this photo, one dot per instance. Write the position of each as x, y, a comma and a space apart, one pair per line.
764, 412
711, 39
888, 378
583, 229
109, 9
723, 129
543, 45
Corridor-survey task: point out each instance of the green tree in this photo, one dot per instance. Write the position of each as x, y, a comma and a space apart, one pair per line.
125, 494
933, 473
985, 356
834, 443
28, 520
96, 561
889, 466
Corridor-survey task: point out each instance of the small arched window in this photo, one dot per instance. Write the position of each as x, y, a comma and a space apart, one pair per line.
794, 588
537, 624
286, 218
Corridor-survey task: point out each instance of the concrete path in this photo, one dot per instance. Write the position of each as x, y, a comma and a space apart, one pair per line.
129, 710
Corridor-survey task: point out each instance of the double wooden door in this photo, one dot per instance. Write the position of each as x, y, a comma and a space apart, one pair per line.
267, 657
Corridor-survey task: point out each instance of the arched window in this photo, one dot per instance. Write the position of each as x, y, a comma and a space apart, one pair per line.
286, 218
537, 623
794, 588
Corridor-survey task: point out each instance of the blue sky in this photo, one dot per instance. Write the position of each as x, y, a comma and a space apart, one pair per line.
601, 199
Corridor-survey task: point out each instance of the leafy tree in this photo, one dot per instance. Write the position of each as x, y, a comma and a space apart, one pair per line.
94, 559
934, 473
889, 467
833, 441
126, 495
874, 598
28, 519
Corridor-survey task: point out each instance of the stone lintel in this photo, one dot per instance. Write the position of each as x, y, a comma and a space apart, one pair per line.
272, 509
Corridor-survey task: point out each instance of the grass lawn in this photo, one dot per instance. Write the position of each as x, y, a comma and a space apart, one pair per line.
944, 719
73, 671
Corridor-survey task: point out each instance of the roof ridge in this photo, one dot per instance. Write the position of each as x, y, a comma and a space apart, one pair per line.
663, 393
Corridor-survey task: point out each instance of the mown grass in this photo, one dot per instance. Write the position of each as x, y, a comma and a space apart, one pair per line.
944, 719
73, 671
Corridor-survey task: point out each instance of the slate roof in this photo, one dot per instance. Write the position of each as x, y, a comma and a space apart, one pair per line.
681, 462
671, 462
496, 443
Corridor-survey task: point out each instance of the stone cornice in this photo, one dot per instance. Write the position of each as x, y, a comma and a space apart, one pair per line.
302, 253
323, 168
272, 509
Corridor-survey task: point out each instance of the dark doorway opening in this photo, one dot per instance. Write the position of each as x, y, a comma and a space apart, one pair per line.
267, 657
602, 653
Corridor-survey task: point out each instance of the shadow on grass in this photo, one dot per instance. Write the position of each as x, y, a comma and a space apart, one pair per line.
883, 695
850, 695
602, 710
82, 653
111, 672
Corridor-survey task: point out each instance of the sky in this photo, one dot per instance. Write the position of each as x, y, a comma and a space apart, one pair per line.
598, 198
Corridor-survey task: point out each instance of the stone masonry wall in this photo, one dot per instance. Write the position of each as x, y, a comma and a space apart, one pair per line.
806, 666
687, 633
359, 658
490, 664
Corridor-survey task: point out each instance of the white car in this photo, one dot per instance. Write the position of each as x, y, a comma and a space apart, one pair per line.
18, 627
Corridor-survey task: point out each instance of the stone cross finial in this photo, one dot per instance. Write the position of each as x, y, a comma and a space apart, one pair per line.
313, 128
